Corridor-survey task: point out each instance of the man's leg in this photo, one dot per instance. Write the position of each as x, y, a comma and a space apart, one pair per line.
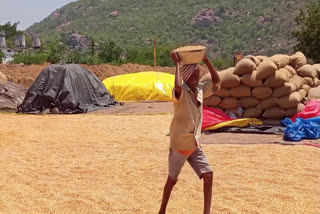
207, 191
176, 162
200, 165
166, 194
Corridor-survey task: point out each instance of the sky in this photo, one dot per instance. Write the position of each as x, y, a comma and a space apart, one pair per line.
28, 12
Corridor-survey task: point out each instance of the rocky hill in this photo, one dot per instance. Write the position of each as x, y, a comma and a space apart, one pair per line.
252, 27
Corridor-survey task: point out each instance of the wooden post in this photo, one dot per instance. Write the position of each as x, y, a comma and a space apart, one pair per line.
154, 53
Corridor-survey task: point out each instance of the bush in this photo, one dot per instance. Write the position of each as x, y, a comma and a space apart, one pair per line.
56, 52
110, 52
82, 58
144, 56
222, 63
1, 56
308, 33
30, 58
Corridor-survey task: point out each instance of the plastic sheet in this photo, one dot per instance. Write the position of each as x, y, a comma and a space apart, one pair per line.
312, 109
69, 88
214, 119
301, 129
142, 86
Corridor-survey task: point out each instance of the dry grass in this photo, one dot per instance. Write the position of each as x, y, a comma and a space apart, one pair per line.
97, 163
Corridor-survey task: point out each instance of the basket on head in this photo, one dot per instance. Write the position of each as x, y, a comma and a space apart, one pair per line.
191, 54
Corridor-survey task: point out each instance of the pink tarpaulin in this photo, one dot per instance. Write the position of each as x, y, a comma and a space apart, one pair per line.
212, 116
312, 109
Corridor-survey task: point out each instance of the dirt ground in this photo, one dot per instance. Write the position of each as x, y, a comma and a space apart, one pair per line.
117, 163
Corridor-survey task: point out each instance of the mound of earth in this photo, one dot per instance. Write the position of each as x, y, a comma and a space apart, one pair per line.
26, 74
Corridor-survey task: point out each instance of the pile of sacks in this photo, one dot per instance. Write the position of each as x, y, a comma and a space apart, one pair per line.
265, 87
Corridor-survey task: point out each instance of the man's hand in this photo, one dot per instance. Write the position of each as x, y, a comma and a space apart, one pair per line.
205, 58
214, 75
175, 58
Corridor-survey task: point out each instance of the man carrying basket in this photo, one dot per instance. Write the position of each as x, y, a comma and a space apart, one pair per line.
185, 128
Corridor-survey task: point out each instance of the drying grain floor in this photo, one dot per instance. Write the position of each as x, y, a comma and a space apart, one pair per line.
100, 163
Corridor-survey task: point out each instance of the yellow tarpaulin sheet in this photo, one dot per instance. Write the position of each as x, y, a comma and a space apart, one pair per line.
142, 86
237, 122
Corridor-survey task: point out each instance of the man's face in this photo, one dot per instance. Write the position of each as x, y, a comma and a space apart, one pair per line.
193, 81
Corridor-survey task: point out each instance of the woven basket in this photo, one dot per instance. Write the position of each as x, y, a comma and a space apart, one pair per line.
191, 54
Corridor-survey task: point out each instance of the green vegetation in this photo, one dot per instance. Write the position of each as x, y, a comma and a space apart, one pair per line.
30, 58
251, 27
1, 55
123, 31
9, 30
308, 34
110, 52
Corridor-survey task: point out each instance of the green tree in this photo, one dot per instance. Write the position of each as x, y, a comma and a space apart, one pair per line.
56, 52
308, 33
9, 29
110, 52
1, 56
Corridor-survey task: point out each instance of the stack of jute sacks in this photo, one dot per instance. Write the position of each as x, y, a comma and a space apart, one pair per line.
265, 87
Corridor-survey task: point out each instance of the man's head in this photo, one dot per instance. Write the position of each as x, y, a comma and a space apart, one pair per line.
190, 75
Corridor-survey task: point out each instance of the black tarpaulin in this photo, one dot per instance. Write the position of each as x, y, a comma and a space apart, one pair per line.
69, 88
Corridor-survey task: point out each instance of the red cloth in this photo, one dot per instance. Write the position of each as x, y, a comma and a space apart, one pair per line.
212, 116
312, 109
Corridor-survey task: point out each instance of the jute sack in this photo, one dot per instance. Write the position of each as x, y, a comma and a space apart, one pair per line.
290, 101
316, 82
262, 58
209, 91
250, 79
212, 101
262, 92
277, 79
244, 66
252, 113
314, 93
308, 80
228, 78
229, 103
303, 93
307, 71
284, 90
306, 87
268, 103
297, 80
298, 60
293, 111
221, 92
280, 60
253, 59
247, 102
265, 69
240, 91
272, 122
291, 70
205, 78
274, 113
317, 67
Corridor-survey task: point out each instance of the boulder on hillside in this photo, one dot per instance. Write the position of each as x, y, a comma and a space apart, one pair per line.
11, 95
114, 13
205, 18
77, 40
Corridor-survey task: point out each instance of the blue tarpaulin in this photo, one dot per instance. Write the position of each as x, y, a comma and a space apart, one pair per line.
301, 129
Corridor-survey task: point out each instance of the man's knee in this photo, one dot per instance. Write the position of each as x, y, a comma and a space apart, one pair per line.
172, 181
207, 177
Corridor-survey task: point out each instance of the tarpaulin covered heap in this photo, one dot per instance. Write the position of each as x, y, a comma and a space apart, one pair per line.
69, 88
